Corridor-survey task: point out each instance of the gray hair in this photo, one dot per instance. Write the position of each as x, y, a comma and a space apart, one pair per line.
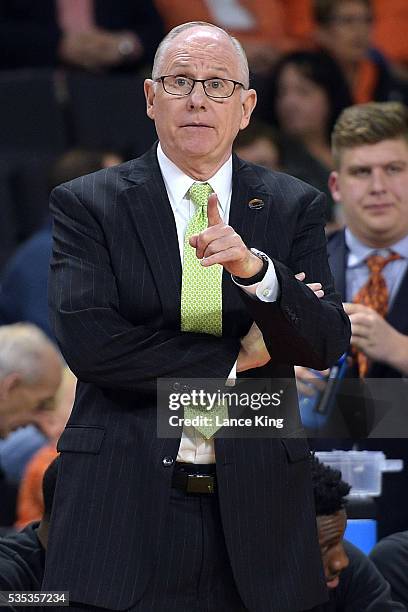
22, 347
165, 43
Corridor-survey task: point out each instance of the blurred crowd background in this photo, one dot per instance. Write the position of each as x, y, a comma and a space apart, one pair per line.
71, 99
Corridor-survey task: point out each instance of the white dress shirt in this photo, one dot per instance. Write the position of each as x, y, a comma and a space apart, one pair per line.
194, 448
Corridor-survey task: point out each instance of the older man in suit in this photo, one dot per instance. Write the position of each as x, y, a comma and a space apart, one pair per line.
152, 277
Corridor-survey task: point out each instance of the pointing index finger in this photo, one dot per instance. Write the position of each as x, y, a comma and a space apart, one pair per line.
212, 211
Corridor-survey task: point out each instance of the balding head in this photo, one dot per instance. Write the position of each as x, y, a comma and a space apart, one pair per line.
199, 97
30, 373
196, 27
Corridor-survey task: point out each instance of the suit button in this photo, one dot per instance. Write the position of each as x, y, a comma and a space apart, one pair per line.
176, 386
167, 461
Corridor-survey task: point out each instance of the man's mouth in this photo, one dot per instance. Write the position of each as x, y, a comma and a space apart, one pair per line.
332, 582
379, 207
197, 125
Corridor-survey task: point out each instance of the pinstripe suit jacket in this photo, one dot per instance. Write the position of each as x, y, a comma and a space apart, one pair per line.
115, 302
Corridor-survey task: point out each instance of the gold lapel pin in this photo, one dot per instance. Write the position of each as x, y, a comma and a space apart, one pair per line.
256, 204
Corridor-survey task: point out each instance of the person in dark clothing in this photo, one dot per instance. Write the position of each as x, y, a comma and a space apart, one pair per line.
370, 146
390, 556
22, 555
308, 94
354, 583
344, 31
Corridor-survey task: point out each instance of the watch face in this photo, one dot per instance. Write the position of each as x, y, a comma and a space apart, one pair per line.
259, 254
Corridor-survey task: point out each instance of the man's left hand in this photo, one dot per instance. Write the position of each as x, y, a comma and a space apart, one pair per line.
220, 244
373, 335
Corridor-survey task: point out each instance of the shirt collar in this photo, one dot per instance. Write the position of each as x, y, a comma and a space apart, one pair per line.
358, 251
177, 183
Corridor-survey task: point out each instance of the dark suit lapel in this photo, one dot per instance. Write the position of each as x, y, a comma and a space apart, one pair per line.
337, 259
153, 219
397, 316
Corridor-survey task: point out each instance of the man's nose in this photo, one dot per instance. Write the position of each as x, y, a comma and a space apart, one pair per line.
378, 183
338, 561
197, 97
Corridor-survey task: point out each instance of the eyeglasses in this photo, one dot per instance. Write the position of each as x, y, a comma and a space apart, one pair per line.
213, 88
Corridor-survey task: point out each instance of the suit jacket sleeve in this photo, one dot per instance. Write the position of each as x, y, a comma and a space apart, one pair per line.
299, 328
98, 343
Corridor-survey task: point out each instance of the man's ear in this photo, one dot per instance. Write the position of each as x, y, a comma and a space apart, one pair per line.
334, 186
248, 105
149, 92
8, 384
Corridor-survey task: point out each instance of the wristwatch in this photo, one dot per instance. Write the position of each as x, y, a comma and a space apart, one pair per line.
259, 275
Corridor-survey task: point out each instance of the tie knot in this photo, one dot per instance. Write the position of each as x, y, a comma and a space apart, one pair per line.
376, 263
199, 194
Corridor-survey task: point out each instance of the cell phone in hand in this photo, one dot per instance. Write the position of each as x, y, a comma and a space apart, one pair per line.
315, 409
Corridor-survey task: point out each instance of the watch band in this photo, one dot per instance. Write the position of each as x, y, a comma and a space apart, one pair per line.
259, 275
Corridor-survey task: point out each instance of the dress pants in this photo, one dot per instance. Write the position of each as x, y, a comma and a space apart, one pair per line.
193, 572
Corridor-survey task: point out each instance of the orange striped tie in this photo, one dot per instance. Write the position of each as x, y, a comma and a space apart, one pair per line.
373, 294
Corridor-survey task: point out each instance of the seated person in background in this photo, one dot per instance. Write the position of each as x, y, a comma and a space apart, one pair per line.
308, 94
389, 28
390, 556
23, 288
22, 555
354, 583
258, 144
30, 503
95, 35
344, 30
369, 260
30, 373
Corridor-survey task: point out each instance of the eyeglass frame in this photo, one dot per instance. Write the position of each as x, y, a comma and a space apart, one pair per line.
202, 81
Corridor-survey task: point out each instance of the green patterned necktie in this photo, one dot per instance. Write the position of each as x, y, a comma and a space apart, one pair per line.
201, 297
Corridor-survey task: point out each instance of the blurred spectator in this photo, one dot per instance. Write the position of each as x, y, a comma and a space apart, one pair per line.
308, 94
369, 263
30, 373
388, 31
95, 35
22, 555
258, 144
344, 29
23, 288
30, 503
353, 581
390, 555
259, 24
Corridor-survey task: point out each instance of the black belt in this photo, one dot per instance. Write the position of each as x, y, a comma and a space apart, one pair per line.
194, 478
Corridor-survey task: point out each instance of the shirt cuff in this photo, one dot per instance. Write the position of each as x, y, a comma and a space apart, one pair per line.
232, 376
267, 290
